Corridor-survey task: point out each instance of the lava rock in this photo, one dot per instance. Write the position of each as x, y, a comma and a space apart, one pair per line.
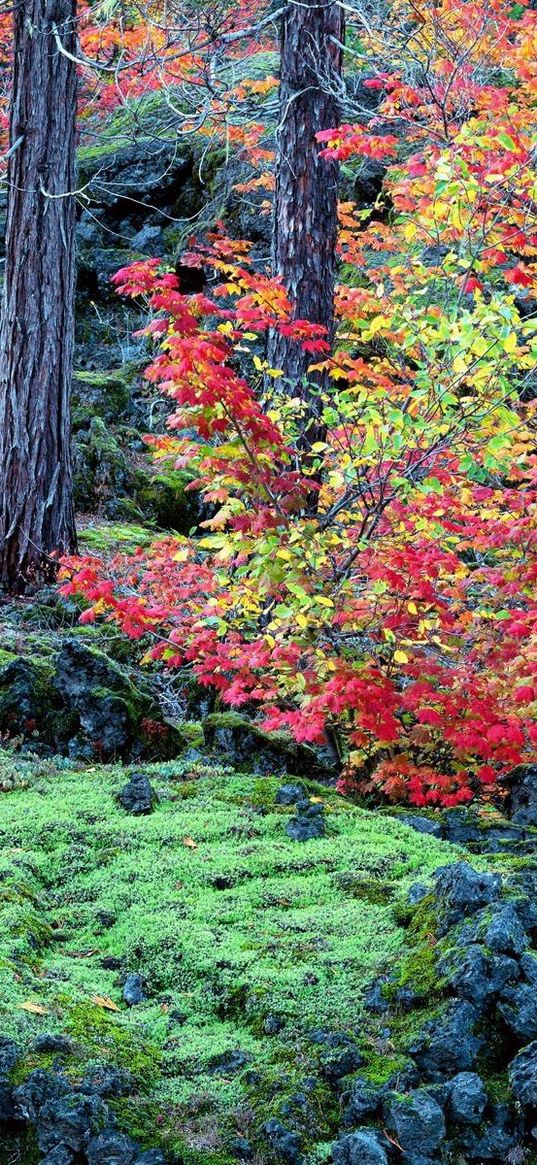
9, 1054
71, 1120
111, 1148
448, 1045
230, 1062
523, 1076
52, 1042
528, 966
461, 891
418, 1122
360, 1148
519, 1010
361, 1102
497, 1143
151, 1157
339, 1055
308, 823
506, 935
137, 796
289, 794
422, 824
103, 1081
61, 1155
522, 799
285, 1143
38, 1089
272, 1024
467, 1098
478, 977
133, 991
417, 892
240, 1148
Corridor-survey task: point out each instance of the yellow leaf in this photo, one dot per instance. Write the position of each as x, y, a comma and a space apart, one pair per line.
323, 601
106, 1002
510, 343
35, 1008
400, 656
412, 608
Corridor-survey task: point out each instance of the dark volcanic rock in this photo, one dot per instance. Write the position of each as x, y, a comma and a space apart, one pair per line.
523, 1076
361, 1102
417, 1121
9, 1054
285, 1143
519, 1010
461, 891
71, 1120
61, 1155
506, 935
422, 824
137, 797
111, 1148
133, 991
360, 1148
448, 1045
477, 976
308, 823
522, 800
289, 794
53, 1042
467, 1098
151, 1157
38, 1089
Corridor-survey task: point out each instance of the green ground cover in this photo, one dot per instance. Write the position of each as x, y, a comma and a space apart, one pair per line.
247, 941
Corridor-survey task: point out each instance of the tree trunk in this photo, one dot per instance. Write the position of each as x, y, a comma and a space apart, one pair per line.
37, 329
305, 216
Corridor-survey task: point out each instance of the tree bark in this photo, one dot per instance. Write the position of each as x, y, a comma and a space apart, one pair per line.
37, 328
305, 215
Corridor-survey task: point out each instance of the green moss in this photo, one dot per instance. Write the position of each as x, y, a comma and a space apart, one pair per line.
228, 921
113, 537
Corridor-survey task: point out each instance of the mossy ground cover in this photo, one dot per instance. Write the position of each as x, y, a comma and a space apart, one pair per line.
247, 941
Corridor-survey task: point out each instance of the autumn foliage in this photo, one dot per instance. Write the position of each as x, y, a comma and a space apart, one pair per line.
398, 615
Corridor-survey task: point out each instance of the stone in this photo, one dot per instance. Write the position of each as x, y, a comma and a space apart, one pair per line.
361, 1102
519, 1010
418, 891
523, 1076
522, 799
467, 1098
496, 1143
240, 1148
111, 1148
151, 1157
285, 1143
417, 1121
422, 824
61, 1155
478, 977
52, 1042
104, 1081
9, 1054
360, 1148
133, 991
70, 1120
506, 935
339, 1054
528, 966
289, 794
448, 1045
137, 796
309, 822
39, 1088
461, 891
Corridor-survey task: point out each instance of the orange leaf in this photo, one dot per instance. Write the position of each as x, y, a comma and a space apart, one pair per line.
190, 843
105, 1001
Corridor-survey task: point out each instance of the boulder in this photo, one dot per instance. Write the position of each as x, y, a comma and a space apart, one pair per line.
417, 1121
448, 1044
70, 1120
523, 1076
38, 1089
361, 1102
477, 976
285, 1144
462, 891
360, 1148
61, 1155
506, 935
519, 1010
309, 822
137, 797
111, 1148
133, 990
522, 798
467, 1098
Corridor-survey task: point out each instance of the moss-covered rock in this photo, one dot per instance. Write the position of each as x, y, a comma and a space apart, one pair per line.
245, 745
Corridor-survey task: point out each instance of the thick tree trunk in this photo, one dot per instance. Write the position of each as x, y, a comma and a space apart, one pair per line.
305, 216
37, 329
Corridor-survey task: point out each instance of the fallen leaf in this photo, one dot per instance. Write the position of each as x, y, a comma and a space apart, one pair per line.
190, 843
82, 954
35, 1008
105, 1001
